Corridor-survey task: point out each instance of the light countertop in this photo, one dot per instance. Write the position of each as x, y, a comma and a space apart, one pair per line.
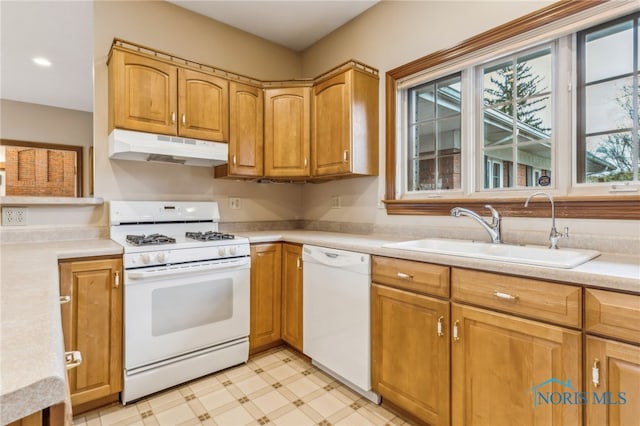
607, 271
32, 370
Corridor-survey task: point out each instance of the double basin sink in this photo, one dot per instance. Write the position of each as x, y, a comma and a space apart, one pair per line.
524, 254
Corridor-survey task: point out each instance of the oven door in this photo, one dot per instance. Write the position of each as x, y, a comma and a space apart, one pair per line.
177, 309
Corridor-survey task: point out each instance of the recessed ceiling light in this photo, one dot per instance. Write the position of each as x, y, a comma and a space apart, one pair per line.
43, 62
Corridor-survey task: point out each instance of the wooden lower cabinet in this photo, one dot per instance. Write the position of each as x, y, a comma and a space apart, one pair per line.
500, 363
50, 416
410, 357
613, 389
92, 324
292, 295
266, 273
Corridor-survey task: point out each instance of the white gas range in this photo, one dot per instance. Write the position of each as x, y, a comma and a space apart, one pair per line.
186, 293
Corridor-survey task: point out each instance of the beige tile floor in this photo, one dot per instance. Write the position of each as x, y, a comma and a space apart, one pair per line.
278, 387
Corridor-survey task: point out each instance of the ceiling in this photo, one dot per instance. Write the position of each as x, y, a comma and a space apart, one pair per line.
62, 31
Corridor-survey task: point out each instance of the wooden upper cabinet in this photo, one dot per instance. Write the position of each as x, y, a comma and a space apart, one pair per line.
152, 95
246, 133
345, 125
287, 123
203, 106
142, 94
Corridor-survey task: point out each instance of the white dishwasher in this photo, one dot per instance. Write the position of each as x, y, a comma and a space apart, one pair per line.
336, 315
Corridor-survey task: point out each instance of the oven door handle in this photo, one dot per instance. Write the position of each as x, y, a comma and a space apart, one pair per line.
181, 270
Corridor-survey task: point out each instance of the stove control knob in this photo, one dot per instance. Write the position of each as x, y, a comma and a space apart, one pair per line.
145, 258
222, 251
233, 250
162, 257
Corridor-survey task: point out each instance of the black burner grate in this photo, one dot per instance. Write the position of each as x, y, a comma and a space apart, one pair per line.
151, 239
209, 236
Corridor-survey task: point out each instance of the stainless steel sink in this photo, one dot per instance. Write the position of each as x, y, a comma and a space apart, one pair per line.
527, 254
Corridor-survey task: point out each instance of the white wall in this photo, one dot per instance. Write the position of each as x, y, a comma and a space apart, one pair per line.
166, 27
387, 36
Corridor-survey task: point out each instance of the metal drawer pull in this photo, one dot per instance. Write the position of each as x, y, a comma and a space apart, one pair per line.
298, 263
72, 359
505, 296
456, 337
595, 373
116, 279
184, 119
404, 276
65, 299
173, 118
345, 155
233, 161
440, 332
306, 161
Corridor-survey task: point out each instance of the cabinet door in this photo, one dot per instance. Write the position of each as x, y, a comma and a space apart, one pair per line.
331, 150
616, 384
287, 132
265, 296
500, 364
246, 133
292, 295
410, 357
345, 125
92, 324
203, 106
143, 94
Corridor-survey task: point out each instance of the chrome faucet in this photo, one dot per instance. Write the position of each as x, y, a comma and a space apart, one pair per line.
492, 228
554, 235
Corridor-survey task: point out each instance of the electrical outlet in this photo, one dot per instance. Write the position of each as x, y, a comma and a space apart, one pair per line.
234, 203
335, 201
14, 216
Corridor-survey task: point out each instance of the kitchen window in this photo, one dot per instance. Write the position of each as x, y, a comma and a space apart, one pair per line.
514, 99
509, 103
434, 135
607, 149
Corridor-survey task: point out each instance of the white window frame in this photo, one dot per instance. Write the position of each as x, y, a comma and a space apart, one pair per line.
564, 119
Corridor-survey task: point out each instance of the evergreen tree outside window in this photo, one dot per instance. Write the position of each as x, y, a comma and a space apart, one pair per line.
515, 94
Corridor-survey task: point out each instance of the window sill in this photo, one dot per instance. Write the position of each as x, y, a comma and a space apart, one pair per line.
50, 201
625, 207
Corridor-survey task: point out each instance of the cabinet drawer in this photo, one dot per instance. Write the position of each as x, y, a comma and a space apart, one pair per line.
536, 299
414, 276
612, 314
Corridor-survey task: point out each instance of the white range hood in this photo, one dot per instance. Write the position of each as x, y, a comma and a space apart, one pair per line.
138, 146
